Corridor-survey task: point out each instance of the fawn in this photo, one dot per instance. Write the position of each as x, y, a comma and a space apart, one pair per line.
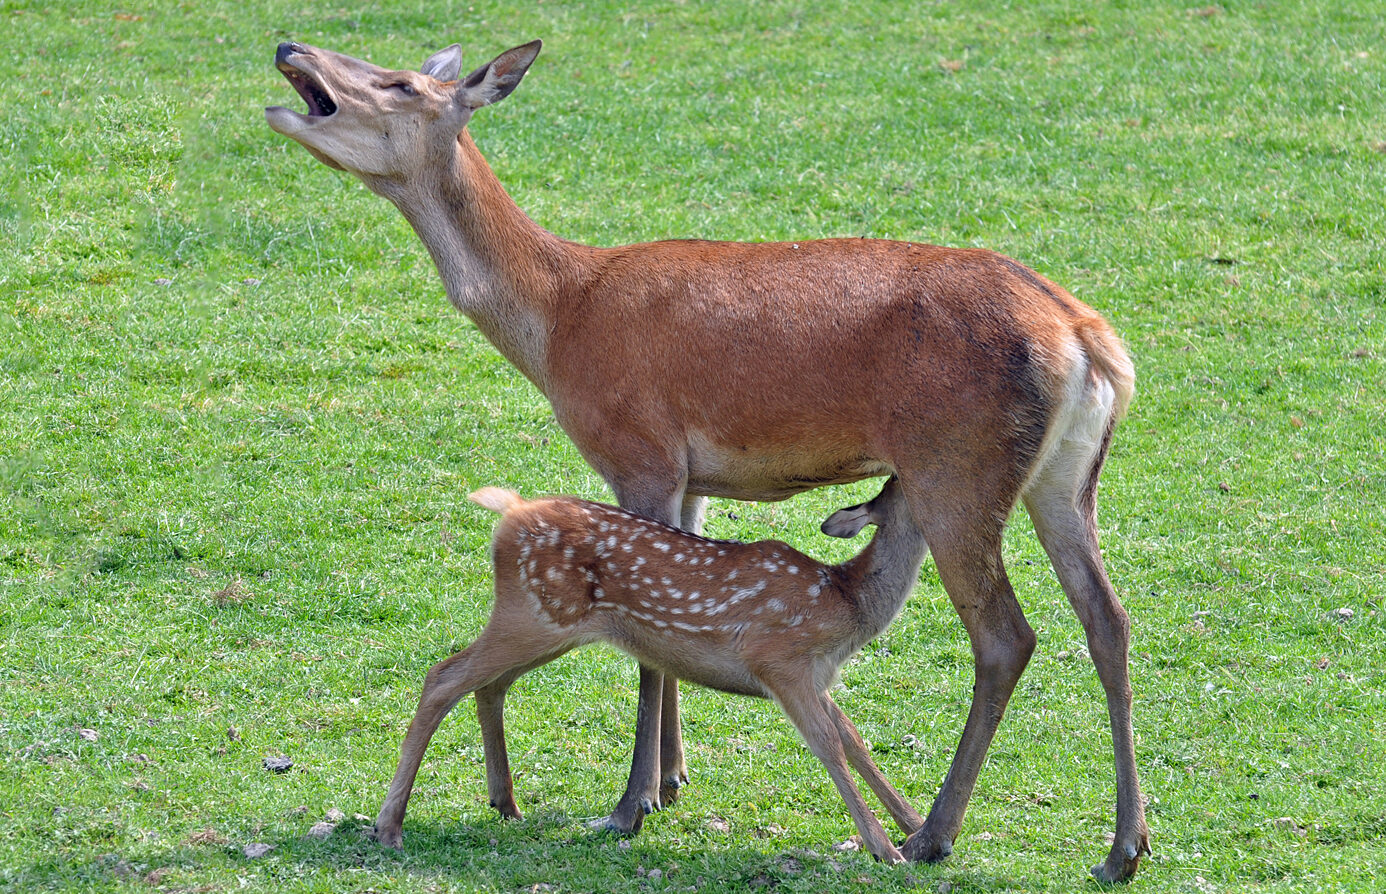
758, 619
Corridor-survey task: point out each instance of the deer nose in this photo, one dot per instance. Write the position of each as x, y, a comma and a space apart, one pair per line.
286, 49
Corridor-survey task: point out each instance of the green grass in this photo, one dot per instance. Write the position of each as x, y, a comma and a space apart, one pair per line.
238, 418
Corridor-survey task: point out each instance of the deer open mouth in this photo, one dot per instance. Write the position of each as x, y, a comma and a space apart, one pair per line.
320, 103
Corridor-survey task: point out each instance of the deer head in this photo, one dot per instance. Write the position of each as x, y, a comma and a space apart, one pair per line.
383, 124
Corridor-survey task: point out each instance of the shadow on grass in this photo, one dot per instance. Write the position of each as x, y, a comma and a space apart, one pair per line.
547, 851
553, 851
556, 851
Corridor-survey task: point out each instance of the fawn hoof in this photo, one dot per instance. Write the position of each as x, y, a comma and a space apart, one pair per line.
392, 838
1123, 861
922, 848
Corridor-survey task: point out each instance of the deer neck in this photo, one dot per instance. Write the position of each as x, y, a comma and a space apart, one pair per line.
506, 273
883, 575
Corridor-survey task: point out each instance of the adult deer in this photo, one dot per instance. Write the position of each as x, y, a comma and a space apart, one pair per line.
688, 369
757, 619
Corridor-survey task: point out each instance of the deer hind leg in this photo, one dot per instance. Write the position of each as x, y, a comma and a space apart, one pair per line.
488, 659
1062, 502
812, 713
859, 756
1002, 642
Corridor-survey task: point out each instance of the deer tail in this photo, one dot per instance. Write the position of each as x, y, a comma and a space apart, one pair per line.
496, 499
1111, 361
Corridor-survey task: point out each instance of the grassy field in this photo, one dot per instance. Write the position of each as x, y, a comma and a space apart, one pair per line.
238, 419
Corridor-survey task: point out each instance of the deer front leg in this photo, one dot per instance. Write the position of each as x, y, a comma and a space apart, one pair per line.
1002, 643
642, 789
673, 772
656, 766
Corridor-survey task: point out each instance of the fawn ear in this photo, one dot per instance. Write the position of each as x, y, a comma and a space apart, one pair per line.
444, 64
496, 79
847, 523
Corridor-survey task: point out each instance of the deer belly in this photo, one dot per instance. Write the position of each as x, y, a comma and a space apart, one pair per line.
767, 472
699, 653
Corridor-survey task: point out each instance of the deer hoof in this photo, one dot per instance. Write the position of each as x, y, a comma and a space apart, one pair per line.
1122, 862
669, 788
921, 848
617, 824
507, 810
393, 838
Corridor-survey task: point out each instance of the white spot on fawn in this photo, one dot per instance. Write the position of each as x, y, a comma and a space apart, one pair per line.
748, 592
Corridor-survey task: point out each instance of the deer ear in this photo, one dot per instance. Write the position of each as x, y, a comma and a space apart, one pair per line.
847, 523
444, 64
496, 79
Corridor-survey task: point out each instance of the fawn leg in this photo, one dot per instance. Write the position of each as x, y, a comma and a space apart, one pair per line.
446, 684
810, 714
490, 714
859, 756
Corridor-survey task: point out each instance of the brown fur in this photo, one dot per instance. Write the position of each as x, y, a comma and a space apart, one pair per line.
685, 369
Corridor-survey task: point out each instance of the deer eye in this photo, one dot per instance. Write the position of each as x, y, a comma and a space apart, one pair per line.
401, 86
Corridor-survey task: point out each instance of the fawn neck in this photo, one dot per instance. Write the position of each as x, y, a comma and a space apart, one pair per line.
882, 576
509, 275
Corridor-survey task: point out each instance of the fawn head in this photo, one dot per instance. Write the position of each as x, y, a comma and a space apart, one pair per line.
886, 509
378, 123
